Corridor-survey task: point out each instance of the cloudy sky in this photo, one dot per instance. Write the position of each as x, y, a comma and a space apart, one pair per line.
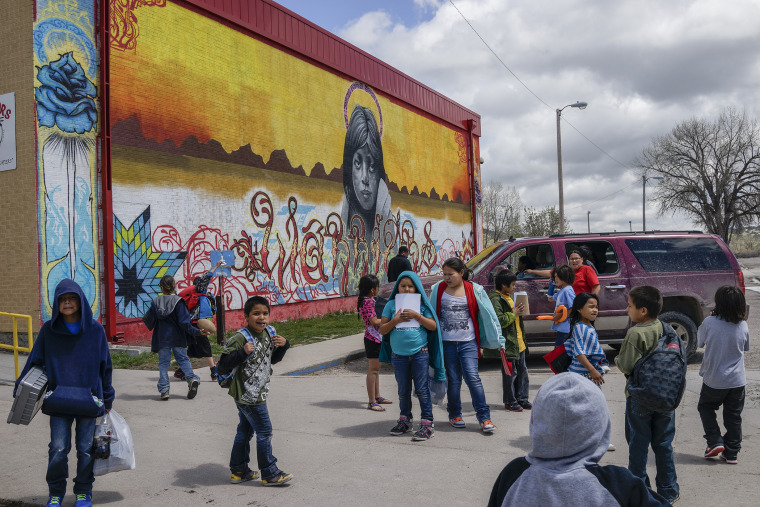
642, 66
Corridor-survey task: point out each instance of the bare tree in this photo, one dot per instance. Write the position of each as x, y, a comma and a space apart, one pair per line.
501, 212
543, 222
710, 171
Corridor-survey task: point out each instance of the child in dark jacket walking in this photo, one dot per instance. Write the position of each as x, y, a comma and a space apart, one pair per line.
169, 320
73, 350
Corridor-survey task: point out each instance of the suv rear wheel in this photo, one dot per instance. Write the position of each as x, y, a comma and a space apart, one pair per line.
685, 328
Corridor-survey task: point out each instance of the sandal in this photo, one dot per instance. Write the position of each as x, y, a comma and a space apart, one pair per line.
375, 407
383, 401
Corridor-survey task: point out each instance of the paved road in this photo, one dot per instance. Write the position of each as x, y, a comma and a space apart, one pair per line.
340, 453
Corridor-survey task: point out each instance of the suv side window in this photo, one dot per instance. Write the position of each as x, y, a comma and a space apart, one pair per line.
538, 256
659, 255
602, 255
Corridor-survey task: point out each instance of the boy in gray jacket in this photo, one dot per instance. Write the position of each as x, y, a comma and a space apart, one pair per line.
570, 429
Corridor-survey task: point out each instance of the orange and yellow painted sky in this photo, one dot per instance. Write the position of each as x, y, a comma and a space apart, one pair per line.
192, 76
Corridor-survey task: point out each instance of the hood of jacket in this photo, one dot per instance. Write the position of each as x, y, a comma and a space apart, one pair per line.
67, 286
570, 423
165, 304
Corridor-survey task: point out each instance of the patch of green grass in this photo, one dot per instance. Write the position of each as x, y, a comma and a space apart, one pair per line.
298, 332
317, 329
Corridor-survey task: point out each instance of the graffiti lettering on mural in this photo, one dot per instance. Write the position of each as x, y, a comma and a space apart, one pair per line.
123, 22
138, 267
66, 70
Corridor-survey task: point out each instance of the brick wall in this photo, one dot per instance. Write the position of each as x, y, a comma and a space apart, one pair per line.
19, 271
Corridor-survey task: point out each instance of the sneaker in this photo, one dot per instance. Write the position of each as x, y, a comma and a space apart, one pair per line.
179, 374
250, 475
611, 447
426, 431
278, 480
83, 500
54, 500
402, 426
457, 422
213, 373
526, 404
165, 395
193, 389
513, 407
487, 426
731, 460
714, 450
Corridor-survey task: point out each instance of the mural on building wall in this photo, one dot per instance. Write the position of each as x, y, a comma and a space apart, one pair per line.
311, 179
66, 68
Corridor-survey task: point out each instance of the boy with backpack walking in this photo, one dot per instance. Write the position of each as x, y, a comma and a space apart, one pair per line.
248, 355
648, 423
725, 337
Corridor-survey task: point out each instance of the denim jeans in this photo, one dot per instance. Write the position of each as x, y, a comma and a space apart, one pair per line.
515, 387
165, 357
253, 419
408, 369
642, 428
58, 454
560, 338
732, 400
461, 360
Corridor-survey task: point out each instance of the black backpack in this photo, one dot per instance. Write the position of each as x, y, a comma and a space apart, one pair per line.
658, 379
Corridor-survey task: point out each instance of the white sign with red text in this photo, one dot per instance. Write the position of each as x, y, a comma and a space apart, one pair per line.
7, 131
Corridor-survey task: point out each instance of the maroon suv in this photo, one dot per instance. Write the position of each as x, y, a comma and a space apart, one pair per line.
687, 267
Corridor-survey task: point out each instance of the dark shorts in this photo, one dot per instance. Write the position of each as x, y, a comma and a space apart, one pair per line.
371, 348
198, 346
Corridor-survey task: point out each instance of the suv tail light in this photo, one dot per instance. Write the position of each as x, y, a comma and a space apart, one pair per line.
740, 279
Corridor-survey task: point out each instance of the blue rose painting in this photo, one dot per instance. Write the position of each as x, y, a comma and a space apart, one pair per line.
65, 96
67, 115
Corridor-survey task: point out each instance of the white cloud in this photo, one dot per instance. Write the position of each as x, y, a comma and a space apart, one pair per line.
642, 65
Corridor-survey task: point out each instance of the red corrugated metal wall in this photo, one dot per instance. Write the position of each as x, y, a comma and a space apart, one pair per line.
284, 27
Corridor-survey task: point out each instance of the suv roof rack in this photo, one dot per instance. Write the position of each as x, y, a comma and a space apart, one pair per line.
621, 233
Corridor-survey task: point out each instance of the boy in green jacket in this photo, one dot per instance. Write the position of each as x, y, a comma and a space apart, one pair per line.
516, 386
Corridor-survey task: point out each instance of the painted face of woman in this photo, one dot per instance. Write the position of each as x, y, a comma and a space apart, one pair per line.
365, 178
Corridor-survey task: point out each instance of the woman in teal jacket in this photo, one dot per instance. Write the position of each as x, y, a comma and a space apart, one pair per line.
468, 323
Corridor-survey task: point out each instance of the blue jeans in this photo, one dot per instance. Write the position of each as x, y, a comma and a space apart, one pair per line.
515, 387
642, 428
58, 455
560, 338
165, 357
406, 369
461, 360
253, 419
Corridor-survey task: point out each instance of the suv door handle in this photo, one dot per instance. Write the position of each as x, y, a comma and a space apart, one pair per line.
614, 286
543, 291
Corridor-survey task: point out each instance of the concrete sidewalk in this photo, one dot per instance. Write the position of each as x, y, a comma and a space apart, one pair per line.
339, 452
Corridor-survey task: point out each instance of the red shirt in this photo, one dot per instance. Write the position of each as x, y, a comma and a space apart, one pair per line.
585, 279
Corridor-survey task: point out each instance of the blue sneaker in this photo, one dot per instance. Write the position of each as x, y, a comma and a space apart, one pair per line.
83, 500
54, 500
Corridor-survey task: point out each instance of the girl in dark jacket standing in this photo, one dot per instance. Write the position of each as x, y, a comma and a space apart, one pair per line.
169, 320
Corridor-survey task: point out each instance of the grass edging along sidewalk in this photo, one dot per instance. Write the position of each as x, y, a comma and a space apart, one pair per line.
298, 332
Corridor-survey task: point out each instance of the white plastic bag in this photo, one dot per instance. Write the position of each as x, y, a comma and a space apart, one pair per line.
122, 448
437, 390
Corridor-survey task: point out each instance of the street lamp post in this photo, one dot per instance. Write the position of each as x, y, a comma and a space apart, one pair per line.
644, 180
588, 221
579, 105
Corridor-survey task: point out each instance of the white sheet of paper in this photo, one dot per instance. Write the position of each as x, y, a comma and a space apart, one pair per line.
408, 302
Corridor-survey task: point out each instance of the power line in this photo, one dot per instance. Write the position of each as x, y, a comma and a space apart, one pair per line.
544, 102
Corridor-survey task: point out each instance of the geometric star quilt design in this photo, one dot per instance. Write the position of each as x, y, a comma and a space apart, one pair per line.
138, 269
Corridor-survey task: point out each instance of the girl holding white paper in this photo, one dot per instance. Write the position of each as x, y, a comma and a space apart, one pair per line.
412, 343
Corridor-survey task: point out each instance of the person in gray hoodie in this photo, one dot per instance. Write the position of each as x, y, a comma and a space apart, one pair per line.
570, 428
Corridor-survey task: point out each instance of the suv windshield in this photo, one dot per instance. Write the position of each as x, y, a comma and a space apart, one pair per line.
480, 261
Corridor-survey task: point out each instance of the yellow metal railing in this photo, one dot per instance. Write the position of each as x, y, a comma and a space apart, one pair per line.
16, 349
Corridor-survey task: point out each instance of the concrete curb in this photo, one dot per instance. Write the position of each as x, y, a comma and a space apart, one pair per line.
323, 365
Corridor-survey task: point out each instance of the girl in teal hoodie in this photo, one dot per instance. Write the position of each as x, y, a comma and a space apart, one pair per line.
412, 350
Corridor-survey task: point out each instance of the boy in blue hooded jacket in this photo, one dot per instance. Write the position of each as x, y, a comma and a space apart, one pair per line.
412, 350
72, 348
